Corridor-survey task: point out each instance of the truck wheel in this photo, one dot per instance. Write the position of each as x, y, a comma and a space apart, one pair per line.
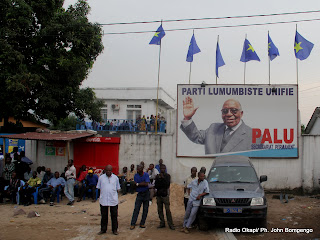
262, 223
202, 224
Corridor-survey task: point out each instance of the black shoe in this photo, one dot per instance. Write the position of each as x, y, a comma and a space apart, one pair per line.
70, 203
101, 232
172, 227
161, 226
115, 233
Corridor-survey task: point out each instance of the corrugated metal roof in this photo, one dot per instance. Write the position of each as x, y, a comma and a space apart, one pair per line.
49, 136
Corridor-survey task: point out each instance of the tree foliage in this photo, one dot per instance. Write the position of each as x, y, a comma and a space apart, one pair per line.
46, 52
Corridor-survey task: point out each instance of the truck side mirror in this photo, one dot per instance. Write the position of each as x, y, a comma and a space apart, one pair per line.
263, 178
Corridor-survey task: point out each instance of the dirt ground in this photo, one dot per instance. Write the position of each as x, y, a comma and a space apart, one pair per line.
82, 221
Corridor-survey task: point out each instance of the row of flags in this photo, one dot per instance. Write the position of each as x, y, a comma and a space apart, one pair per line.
302, 49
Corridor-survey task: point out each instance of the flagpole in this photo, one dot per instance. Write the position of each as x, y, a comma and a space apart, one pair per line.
244, 75
156, 125
190, 65
216, 60
297, 59
190, 73
269, 58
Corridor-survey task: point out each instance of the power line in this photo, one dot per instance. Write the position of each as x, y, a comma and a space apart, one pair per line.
215, 27
213, 18
309, 89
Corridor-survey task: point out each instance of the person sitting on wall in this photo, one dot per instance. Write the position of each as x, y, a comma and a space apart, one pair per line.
54, 184
79, 181
29, 188
91, 183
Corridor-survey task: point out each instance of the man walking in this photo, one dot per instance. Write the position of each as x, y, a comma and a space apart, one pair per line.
109, 186
162, 184
71, 179
142, 181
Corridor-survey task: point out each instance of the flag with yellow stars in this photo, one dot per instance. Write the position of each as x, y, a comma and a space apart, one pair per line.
248, 52
273, 51
302, 47
158, 36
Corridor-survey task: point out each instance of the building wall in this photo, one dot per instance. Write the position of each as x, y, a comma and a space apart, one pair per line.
39, 158
315, 130
148, 108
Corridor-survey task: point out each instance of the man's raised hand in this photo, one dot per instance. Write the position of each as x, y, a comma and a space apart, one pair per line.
188, 108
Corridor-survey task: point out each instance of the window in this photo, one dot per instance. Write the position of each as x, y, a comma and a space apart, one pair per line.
133, 106
104, 113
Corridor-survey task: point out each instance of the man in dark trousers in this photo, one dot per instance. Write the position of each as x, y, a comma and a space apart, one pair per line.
162, 184
142, 180
109, 186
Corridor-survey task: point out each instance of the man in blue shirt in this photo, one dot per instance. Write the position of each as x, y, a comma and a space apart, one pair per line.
54, 184
142, 180
91, 183
199, 187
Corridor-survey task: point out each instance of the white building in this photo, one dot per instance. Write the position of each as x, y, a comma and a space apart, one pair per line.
130, 103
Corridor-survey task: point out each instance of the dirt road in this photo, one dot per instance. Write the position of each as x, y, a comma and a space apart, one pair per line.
82, 221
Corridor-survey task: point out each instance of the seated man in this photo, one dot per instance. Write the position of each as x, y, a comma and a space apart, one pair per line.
28, 174
91, 183
44, 188
29, 188
12, 190
54, 184
79, 181
130, 181
122, 180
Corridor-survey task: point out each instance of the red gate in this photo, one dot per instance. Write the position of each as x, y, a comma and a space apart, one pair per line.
97, 152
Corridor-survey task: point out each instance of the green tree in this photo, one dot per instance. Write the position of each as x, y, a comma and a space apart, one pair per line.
46, 52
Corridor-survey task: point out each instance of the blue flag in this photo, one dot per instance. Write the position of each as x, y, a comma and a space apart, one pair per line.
302, 47
193, 49
248, 52
219, 59
273, 51
158, 36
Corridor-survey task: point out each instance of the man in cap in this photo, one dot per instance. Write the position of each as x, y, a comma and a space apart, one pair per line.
91, 183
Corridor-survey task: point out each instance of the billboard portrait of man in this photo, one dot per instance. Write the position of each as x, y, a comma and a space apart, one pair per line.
233, 135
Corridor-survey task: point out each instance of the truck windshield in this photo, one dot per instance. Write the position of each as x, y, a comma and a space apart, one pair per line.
233, 174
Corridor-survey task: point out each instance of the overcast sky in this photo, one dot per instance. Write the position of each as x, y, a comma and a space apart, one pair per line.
129, 61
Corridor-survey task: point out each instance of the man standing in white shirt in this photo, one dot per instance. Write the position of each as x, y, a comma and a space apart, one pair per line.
109, 186
71, 178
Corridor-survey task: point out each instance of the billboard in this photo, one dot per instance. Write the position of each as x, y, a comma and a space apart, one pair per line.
251, 120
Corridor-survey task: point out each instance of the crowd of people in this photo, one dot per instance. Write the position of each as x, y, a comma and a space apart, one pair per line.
141, 124
150, 183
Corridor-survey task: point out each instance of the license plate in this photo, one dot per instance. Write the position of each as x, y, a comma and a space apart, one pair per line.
232, 210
